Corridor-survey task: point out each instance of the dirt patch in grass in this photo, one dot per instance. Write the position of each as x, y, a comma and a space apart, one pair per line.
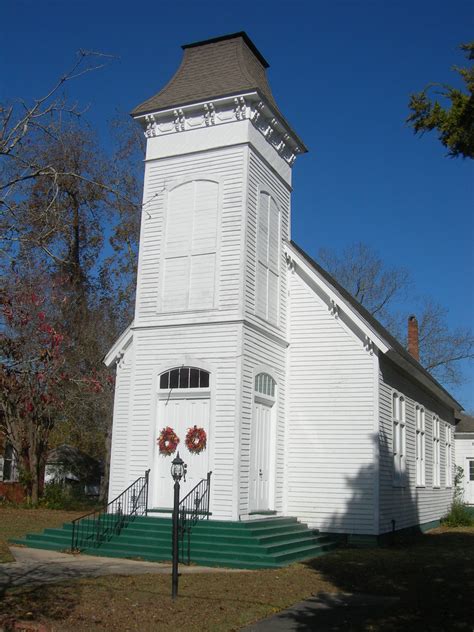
432, 575
15, 523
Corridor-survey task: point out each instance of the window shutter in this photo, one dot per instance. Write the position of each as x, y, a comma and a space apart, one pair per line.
179, 220
201, 286
263, 228
274, 237
262, 290
190, 247
268, 256
205, 217
272, 297
175, 282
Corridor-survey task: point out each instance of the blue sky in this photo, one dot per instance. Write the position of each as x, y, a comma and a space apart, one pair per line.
341, 72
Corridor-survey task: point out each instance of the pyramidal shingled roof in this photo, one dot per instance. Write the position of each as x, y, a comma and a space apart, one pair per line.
211, 69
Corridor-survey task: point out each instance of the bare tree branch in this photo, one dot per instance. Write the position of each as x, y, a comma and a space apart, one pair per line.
443, 351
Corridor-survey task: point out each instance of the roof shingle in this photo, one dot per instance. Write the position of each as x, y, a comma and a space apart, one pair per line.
210, 69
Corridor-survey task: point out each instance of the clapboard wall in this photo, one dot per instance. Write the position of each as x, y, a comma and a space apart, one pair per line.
331, 452
410, 505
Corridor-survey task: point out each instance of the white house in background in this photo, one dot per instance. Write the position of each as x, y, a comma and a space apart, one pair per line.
311, 408
464, 442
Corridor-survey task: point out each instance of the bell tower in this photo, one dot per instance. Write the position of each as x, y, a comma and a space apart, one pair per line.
211, 133
212, 280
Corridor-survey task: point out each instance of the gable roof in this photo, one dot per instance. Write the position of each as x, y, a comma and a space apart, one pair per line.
396, 352
212, 69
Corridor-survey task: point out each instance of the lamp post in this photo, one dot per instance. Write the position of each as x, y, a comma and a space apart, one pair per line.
178, 471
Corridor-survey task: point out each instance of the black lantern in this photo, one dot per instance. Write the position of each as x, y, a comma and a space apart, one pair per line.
178, 469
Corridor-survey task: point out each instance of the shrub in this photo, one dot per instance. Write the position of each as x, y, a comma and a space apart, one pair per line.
458, 516
57, 495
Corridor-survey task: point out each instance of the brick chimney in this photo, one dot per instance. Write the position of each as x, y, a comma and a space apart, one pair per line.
413, 346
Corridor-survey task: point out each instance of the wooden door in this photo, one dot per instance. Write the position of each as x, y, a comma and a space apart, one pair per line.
180, 414
260, 474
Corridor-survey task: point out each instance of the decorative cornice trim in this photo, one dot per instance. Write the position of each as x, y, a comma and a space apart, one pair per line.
249, 106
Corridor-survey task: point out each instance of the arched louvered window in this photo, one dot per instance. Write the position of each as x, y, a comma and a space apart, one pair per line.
265, 384
184, 377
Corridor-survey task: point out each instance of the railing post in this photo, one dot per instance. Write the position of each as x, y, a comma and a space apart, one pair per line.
208, 492
147, 475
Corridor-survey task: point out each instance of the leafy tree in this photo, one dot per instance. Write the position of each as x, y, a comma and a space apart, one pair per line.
32, 374
455, 123
380, 289
43, 393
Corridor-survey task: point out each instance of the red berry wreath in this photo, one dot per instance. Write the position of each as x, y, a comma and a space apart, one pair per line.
196, 439
167, 441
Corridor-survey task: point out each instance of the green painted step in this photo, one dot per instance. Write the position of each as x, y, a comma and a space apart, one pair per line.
263, 543
243, 552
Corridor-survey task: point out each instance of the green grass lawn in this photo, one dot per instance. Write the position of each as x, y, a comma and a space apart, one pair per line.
432, 576
18, 522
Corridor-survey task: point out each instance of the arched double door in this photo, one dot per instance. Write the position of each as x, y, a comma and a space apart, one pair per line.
184, 398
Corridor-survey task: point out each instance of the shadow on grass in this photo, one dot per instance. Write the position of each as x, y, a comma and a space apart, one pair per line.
432, 576
20, 602
34, 604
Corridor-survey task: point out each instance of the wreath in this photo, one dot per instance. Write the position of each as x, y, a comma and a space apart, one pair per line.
196, 439
167, 441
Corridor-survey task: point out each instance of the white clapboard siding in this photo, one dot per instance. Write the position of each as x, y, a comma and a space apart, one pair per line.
464, 451
265, 266
410, 505
213, 347
118, 480
330, 460
210, 228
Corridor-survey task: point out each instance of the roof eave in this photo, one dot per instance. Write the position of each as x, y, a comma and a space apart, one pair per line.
138, 114
424, 378
119, 346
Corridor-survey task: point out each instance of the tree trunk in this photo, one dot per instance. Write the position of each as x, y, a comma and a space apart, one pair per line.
34, 476
104, 483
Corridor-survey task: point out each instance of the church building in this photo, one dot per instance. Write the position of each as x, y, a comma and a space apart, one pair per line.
244, 354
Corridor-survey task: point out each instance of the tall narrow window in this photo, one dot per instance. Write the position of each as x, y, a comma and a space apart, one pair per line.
399, 439
449, 456
190, 247
436, 455
420, 446
268, 258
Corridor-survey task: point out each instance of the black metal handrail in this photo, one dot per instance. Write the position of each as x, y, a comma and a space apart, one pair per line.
98, 526
192, 508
